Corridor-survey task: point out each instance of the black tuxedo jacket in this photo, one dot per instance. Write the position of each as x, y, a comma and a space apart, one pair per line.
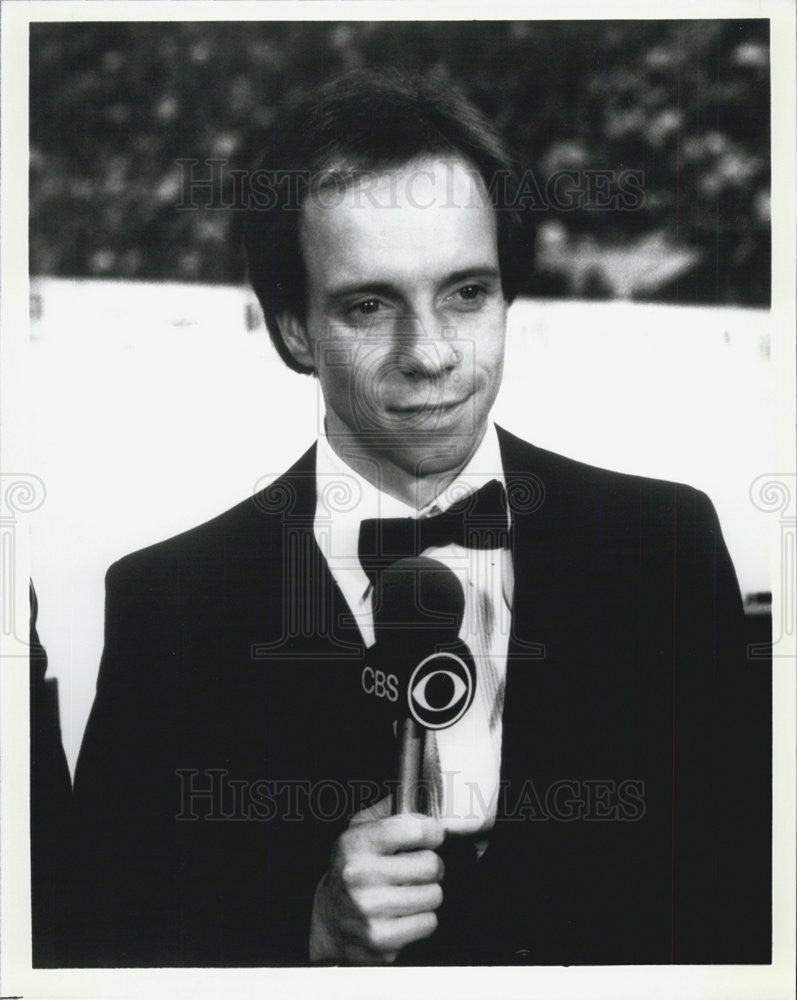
229, 741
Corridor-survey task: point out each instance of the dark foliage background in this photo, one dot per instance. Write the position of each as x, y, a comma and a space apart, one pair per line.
114, 106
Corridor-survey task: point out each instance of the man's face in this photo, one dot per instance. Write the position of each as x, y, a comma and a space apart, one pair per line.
405, 313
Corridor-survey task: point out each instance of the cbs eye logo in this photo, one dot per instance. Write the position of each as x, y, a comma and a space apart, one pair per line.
440, 690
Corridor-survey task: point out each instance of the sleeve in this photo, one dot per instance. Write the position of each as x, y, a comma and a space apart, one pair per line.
124, 911
171, 875
722, 750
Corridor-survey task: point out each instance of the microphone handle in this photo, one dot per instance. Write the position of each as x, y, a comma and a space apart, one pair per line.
407, 795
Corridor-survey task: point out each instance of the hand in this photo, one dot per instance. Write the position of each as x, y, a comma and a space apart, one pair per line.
381, 890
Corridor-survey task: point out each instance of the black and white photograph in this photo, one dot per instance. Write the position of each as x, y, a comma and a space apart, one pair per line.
399, 516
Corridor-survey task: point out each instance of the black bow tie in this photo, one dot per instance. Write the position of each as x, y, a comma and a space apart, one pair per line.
478, 521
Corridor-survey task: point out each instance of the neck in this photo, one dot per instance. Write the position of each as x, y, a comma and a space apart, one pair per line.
391, 477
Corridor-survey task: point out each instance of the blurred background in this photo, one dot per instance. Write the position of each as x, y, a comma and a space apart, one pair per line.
115, 106
642, 342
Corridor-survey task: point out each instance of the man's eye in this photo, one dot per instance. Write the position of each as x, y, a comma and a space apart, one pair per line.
468, 295
367, 307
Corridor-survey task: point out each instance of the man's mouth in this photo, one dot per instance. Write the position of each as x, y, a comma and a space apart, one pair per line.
427, 407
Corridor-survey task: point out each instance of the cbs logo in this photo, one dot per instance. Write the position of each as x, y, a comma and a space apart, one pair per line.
378, 683
441, 690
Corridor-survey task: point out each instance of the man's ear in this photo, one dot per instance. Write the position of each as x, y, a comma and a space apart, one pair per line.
296, 339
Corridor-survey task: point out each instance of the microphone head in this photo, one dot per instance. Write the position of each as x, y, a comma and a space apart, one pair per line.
427, 671
418, 600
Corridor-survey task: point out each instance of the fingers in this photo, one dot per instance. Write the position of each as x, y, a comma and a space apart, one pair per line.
370, 925
388, 936
409, 832
399, 901
382, 888
415, 868
379, 810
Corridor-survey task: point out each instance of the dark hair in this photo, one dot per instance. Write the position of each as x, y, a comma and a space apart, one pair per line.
367, 121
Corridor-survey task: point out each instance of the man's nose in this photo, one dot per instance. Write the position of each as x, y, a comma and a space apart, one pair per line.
426, 347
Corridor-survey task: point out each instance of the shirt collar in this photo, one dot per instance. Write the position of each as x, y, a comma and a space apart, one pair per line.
344, 498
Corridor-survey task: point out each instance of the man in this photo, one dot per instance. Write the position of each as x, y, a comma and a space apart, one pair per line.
593, 805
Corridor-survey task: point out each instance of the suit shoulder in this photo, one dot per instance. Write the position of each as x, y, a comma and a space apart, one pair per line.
233, 537
593, 488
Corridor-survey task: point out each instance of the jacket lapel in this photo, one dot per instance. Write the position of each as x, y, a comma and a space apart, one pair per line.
316, 620
527, 494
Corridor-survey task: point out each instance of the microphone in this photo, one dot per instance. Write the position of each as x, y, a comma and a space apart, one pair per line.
418, 609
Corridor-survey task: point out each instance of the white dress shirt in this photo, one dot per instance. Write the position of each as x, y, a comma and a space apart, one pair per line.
467, 755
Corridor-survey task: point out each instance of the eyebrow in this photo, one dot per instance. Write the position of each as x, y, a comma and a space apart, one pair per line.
338, 292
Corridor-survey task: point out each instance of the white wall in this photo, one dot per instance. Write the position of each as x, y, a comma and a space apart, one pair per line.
155, 407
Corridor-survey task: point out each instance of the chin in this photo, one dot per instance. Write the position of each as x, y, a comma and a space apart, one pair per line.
434, 452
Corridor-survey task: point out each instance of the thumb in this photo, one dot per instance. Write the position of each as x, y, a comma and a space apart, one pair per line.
379, 810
